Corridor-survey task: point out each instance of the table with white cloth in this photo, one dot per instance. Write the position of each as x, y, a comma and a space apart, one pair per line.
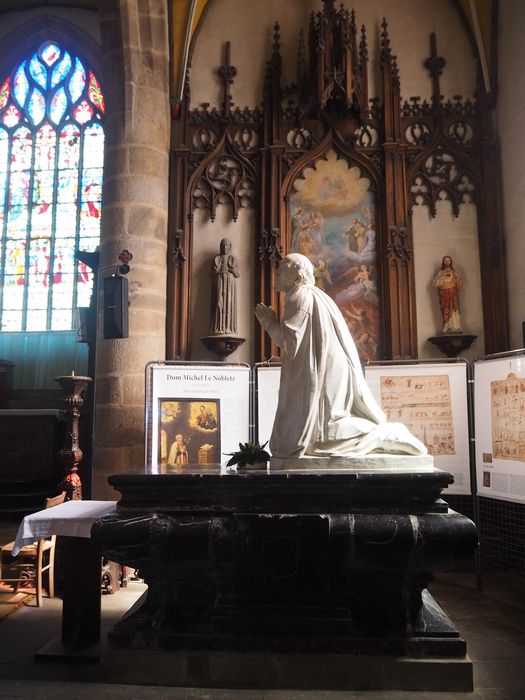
73, 521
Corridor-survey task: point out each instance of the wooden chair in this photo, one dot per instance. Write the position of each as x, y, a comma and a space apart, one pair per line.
32, 557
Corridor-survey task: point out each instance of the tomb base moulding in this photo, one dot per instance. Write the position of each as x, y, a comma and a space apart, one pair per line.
324, 562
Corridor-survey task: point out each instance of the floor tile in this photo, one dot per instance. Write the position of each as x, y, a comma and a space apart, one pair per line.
492, 622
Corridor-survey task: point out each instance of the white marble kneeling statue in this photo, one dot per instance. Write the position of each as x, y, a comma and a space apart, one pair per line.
325, 407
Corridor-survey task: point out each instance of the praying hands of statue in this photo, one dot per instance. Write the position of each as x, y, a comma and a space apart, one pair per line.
268, 320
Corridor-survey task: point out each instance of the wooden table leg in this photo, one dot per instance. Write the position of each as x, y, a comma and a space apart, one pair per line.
81, 603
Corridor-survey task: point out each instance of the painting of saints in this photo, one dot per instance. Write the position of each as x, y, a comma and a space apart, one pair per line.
188, 431
362, 286
205, 420
355, 235
332, 222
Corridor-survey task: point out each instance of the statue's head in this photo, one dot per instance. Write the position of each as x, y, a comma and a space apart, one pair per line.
225, 246
446, 263
295, 269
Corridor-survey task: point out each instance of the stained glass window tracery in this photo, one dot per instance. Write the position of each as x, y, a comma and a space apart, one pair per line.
51, 160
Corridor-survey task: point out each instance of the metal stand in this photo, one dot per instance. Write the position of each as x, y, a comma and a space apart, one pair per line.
71, 454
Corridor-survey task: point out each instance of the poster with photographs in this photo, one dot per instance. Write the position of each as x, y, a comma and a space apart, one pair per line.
499, 387
431, 399
195, 413
267, 380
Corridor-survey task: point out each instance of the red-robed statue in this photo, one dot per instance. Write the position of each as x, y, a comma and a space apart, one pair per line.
448, 284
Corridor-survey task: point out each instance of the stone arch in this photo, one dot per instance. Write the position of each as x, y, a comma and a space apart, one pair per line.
19, 42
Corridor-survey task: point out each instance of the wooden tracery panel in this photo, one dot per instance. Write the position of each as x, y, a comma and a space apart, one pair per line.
452, 154
413, 152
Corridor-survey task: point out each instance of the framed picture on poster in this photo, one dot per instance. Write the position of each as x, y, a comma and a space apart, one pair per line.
195, 412
189, 431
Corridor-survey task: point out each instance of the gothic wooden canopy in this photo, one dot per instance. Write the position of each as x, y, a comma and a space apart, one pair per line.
411, 152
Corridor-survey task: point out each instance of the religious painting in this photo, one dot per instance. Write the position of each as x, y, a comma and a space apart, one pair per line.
332, 220
189, 431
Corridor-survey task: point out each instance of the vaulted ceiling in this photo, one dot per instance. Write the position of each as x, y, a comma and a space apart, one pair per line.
479, 17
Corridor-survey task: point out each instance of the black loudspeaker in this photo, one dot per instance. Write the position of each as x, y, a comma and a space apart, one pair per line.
115, 307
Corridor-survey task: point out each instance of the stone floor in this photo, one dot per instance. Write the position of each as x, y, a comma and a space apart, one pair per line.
492, 621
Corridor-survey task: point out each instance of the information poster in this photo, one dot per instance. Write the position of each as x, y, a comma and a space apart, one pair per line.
196, 413
267, 380
499, 389
431, 399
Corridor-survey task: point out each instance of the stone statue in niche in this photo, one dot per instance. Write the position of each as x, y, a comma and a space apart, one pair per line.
224, 271
223, 338
448, 284
325, 407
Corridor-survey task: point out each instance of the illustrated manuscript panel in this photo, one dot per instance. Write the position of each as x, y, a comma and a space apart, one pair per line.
499, 414
431, 400
424, 405
507, 402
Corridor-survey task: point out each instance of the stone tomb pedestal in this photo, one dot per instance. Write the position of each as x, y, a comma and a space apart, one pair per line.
329, 566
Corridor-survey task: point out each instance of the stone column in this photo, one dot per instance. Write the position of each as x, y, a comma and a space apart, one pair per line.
135, 213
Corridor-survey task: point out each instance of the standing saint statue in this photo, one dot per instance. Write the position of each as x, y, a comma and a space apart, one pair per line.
224, 271
448, 284
325, 407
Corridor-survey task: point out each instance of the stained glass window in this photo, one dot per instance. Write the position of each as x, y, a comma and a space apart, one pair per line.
51, 159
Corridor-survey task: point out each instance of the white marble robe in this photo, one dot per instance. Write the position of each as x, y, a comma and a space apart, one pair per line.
325, 406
